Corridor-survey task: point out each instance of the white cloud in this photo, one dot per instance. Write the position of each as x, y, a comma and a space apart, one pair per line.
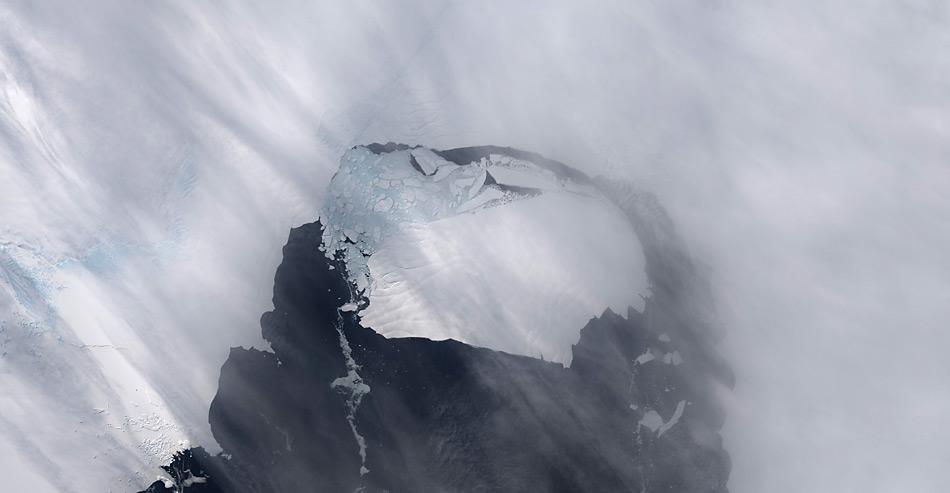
161, 150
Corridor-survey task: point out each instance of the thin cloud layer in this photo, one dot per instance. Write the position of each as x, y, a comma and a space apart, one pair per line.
153, 157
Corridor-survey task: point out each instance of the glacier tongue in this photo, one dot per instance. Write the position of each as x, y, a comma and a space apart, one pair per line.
499, 252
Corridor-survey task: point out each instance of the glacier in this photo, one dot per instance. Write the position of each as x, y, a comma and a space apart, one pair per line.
432, 242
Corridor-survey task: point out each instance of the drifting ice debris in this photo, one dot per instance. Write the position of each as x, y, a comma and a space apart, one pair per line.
654, 422
192, 480
645, 358
676, 359
674, 419
353, 388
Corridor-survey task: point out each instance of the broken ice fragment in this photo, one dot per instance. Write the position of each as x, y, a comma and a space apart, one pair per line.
645, 358
652, 420
677, 414
427, 160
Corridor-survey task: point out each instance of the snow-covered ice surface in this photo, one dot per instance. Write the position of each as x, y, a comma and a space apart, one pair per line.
550, 262
442, 255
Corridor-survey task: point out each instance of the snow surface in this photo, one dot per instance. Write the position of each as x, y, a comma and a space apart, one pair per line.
516, 273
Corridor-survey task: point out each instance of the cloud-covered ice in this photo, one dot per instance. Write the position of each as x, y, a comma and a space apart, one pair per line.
443, 255
154, 155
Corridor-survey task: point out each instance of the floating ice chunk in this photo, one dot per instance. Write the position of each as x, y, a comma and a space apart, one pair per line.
673, 358
677, 414
645, 358
349, 307
652, 420
190, 480
676, 359
353, 389
664, 337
